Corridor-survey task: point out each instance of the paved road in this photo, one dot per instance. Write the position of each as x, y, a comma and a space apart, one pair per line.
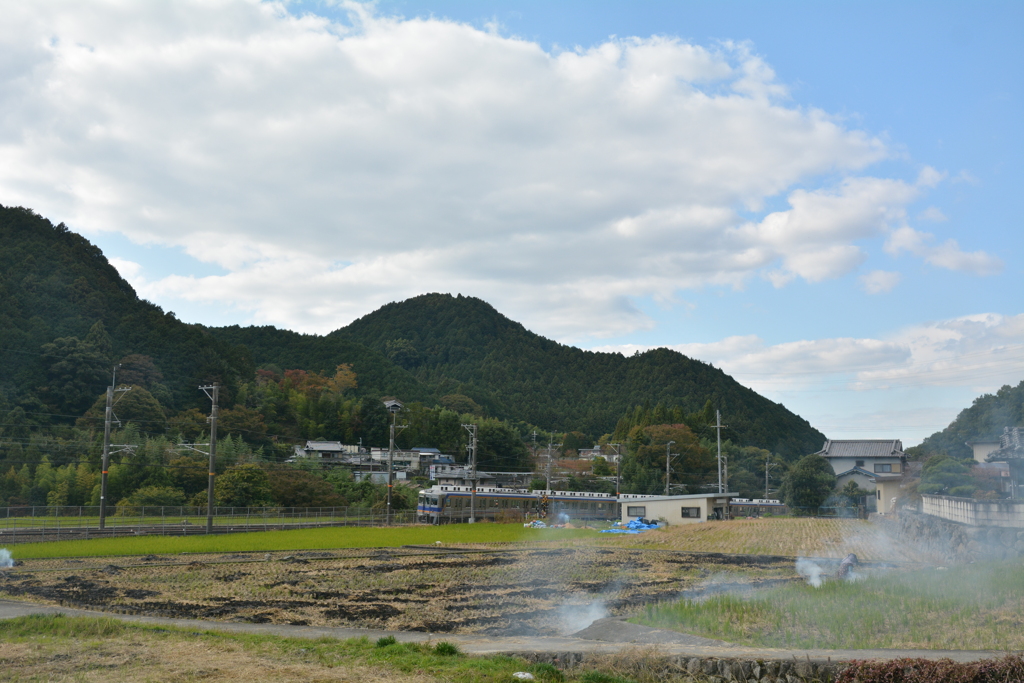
625, 636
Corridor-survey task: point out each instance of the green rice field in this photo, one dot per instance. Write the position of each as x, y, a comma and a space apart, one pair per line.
304, 539
970, 607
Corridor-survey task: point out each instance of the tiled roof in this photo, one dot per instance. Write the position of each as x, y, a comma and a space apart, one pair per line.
862, 448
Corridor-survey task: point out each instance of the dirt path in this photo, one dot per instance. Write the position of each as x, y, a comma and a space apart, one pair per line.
667, 643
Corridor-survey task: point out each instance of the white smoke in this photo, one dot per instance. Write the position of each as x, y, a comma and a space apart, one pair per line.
573, 618
5, 558
810, 571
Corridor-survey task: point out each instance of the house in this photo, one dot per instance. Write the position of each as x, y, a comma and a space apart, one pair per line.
458, 475
328, 451
1011, 451
982, 448
688, 509
877, 465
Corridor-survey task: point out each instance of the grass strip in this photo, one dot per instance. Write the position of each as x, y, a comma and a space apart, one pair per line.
300, 539
90, 646
972, 607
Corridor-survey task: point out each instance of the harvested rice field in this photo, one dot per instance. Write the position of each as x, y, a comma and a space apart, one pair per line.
521, 591
792, 537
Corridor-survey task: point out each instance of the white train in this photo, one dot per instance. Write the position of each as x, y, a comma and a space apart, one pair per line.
446, 504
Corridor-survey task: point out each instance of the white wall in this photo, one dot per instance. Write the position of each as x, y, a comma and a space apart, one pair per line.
977, 513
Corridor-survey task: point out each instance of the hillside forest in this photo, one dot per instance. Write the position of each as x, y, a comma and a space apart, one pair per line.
70, 326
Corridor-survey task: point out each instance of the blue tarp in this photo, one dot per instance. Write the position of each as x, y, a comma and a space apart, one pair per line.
634, 526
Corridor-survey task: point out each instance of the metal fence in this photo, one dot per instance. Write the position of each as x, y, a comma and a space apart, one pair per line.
46, 523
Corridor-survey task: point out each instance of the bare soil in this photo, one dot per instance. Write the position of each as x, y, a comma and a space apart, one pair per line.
545, 591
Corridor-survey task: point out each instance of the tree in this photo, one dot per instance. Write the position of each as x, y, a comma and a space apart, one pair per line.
402, 352
78, 371
244, 420
808, 483
601, 467
343, 380
461, 404
190, 424
155, 496
137, 405
947, 476
293, 487
243, 486
136, 368
189, 474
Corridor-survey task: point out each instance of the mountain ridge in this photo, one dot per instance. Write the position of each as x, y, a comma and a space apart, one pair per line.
423, 349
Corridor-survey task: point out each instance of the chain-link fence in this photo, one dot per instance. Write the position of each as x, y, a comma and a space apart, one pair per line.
48, 523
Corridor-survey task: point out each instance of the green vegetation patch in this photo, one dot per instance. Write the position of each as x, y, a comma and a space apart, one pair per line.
305, 539
974, 607
90, 639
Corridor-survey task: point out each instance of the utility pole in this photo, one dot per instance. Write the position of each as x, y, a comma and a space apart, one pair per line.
213, 393
534, 447
618, 467
668, 470
471, 428
548, 476
105, 464
718, 427
393, 407
768, 464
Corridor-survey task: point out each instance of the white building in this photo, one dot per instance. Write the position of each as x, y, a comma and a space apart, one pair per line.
689, 509
877, 465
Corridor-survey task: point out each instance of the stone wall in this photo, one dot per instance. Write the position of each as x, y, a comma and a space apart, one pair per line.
715, 669
953, 542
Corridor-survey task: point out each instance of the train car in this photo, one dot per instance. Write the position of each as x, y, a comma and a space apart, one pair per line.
450, 504
745, 507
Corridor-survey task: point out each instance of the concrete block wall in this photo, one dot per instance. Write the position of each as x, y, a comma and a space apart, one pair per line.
954, 542
1001, 513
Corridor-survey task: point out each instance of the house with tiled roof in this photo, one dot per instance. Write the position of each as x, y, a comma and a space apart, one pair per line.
875, 464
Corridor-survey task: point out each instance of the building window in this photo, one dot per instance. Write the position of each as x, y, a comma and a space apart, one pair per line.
878, 492
883, 468
860, 463
636, 511
691, 512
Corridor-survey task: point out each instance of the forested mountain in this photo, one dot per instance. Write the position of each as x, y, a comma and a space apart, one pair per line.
985, 419
463, 345
67, 317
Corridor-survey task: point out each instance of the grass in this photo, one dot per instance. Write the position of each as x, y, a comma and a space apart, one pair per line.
973, 607
59, 648
303, 539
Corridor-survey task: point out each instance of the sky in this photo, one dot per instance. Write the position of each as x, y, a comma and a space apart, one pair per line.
820, 198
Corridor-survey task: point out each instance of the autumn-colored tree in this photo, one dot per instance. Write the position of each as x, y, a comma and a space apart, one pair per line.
343, 380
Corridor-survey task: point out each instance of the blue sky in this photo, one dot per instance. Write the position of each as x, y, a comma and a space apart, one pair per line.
817, 197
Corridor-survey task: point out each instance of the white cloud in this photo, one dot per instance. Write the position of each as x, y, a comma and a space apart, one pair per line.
946, 255
879, 281
907, 385
129, 270
980, 351
932, 214
330, 168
